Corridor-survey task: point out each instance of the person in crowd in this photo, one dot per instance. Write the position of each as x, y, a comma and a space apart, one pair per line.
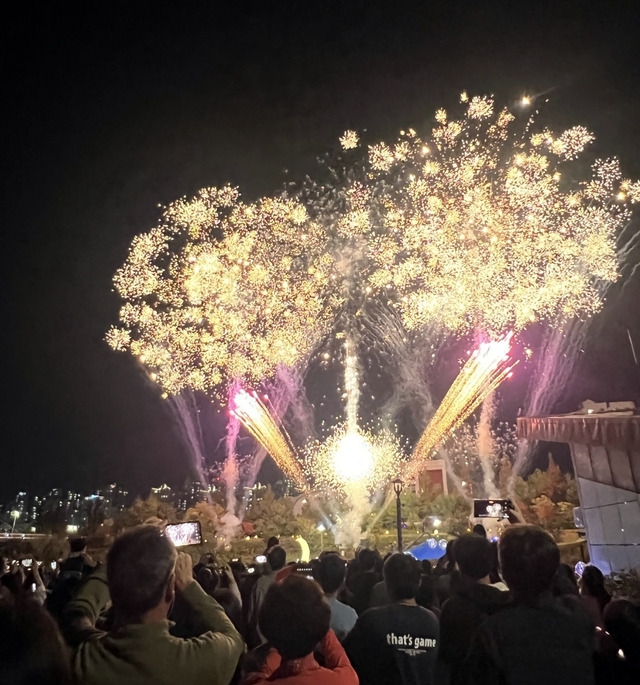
396, 643
444, 571
564, 582
330, 572
276, 559
222, 586
471, 602
32, 651
143, 575
379, 596
295, 620
593, 593
537, 638
480, 530
73, 570
426, 596
363, 579
272, 542
622, 621
494, 576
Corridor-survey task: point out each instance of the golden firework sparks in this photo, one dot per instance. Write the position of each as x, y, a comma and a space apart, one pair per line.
487, 367
254, 415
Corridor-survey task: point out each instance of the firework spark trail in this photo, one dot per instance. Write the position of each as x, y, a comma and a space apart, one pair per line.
487, 367
351, 383
187, 416
486, 447
259, 422
409, 356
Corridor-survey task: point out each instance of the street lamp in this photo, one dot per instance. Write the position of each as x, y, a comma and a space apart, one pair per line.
397, 488
16, 515
321, 530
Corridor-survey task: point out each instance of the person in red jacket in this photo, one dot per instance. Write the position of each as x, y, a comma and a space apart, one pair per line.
294, 618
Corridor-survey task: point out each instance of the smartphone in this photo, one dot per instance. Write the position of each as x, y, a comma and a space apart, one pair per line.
181, 534
261, 559
27, 562
54, 565
491, 508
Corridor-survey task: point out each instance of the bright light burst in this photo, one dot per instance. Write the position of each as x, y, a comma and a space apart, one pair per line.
484, 225
353, 460
262, 425
223, 290
487, 367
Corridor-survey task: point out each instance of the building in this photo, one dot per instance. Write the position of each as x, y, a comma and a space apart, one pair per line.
605, 450
164, 493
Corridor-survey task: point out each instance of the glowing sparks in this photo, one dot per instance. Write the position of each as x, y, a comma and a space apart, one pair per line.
224, 290
484, 234
352, 460
487, 367
349, 140
254, 415
482, 225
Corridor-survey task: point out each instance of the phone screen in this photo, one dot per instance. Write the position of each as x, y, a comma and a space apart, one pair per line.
26, 562
261, 559
490, 508
181, 534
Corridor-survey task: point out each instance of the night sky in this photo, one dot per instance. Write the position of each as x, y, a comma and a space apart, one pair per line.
111, 109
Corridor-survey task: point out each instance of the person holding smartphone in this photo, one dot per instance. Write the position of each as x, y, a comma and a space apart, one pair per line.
141, 578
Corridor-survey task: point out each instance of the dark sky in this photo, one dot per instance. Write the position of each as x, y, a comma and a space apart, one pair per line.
113, 108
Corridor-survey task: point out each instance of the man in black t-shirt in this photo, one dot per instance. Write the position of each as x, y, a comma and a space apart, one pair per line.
397, 643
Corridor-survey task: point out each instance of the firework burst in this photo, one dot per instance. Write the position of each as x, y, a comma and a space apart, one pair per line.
224, 290
353, 459
483, 225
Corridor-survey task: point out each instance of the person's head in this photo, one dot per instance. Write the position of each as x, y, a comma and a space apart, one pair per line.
474, 556
78, 545
140, 572
207, 579
272, 542
480, 530
276, 557
622, 621
294, 616
31, 649
11, 585
330, 572
564, 581
401, 576
367, 559
427, 596
592, 582
529, 558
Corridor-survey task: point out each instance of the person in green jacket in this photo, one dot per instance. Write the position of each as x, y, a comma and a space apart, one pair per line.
143, 574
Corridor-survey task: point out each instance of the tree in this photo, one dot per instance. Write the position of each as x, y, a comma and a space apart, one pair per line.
142, 510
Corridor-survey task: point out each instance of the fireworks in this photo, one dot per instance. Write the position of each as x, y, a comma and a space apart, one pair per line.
353, 460
251, 411
483, 228
487, 367
224, 290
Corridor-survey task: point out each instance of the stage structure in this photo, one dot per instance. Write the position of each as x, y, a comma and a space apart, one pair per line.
605, 450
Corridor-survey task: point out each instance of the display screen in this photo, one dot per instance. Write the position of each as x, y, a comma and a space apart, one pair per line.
181, 534
491, 508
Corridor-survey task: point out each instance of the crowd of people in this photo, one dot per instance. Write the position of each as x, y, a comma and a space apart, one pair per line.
506, 614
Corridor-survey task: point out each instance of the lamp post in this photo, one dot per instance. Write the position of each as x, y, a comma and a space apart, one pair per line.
397, 488
16, 515
321, 530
